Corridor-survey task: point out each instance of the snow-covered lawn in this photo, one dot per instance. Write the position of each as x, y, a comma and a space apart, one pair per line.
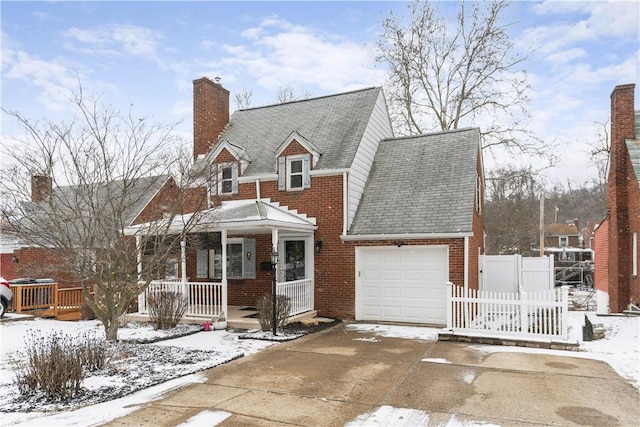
145, 381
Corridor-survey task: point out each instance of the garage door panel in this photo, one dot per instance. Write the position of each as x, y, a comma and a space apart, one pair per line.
406, 284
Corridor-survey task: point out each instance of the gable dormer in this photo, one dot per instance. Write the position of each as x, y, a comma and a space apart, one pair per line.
229, 162
296, 157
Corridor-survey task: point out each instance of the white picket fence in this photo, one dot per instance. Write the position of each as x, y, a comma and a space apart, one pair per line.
540, 314
300, 293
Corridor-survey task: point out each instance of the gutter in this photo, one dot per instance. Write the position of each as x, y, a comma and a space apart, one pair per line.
365, 237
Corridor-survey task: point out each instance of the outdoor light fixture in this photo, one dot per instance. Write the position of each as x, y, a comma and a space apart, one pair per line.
318, 245
14, 259
274, 264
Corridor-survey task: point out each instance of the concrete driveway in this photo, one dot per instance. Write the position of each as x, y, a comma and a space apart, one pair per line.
341, 375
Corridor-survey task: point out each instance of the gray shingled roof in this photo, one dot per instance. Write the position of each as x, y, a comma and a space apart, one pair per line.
633, 146
131, 201
335, 124
421, 184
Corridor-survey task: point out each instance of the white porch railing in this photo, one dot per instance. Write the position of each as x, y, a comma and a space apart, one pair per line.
204, 298
300, 292
540, 314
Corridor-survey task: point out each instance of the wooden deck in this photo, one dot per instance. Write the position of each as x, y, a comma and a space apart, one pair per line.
47, 300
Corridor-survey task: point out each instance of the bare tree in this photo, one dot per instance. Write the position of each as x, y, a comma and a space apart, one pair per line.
443, 78
511, 211
600, 151
243, 98
286, 93
94, 175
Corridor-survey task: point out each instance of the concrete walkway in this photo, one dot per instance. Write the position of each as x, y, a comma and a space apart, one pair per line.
334, 377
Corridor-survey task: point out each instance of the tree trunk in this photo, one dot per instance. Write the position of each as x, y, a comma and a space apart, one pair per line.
111, 330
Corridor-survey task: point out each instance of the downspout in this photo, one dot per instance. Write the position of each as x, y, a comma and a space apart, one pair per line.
223, 310
466, 263
345, 202
258, 190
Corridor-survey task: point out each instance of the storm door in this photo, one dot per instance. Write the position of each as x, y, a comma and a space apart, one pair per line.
294, 262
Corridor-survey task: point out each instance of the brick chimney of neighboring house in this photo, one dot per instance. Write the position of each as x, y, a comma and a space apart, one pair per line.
41, 187
622, 128
210, 114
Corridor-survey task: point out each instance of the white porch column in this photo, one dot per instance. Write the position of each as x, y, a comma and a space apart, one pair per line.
223, 238
183, 265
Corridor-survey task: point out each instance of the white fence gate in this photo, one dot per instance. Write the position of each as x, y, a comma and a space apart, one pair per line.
515, 273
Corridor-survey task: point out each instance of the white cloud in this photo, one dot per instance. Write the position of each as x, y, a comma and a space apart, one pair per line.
115, 39
278, 52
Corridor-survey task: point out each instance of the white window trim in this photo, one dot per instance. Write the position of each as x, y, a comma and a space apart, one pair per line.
560, 238
302, 173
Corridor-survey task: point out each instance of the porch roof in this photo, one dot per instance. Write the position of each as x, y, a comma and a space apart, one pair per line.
247, 216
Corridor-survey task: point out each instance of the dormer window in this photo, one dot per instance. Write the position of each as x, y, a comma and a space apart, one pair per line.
293, 172
224, 179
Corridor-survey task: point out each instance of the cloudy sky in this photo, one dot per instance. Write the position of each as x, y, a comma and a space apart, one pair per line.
147, 54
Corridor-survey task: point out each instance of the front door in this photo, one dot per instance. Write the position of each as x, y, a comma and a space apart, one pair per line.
294, 265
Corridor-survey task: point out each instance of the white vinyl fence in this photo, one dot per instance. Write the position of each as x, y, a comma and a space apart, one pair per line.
515, 273
540, 314
300, 293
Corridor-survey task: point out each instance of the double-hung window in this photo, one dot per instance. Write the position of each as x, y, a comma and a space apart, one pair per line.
293, 172
240, 260
224, 179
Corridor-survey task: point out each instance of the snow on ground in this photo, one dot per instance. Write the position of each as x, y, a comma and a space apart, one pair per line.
620, 348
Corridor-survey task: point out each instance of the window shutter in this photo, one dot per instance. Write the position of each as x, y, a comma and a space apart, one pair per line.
249, 260
234, 178
282, 175
202, 261
213, 180
306, 178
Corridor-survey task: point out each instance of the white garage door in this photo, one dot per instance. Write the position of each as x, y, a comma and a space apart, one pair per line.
402, 284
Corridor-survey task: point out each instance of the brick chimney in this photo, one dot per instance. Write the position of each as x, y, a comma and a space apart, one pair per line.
622, 128
210, 114
41, 187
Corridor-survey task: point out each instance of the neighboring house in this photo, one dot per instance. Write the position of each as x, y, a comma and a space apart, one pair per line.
144, 199
562, 235
623, 202
8, 259
370, 225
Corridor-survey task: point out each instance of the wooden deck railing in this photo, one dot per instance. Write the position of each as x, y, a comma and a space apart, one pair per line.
47, 299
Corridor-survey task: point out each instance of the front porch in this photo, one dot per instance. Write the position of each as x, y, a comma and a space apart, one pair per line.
205, 303
234, 251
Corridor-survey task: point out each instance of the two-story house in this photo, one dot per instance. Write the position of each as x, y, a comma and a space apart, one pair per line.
366, 226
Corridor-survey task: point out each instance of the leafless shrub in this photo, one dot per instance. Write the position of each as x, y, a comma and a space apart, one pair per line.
166, 309
55, 364
265, 311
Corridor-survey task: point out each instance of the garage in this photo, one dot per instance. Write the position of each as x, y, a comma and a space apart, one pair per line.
402, 284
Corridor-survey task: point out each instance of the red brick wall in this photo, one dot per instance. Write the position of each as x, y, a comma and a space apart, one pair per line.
6, 266
619, 181
601, 262
42, 263
210, 114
